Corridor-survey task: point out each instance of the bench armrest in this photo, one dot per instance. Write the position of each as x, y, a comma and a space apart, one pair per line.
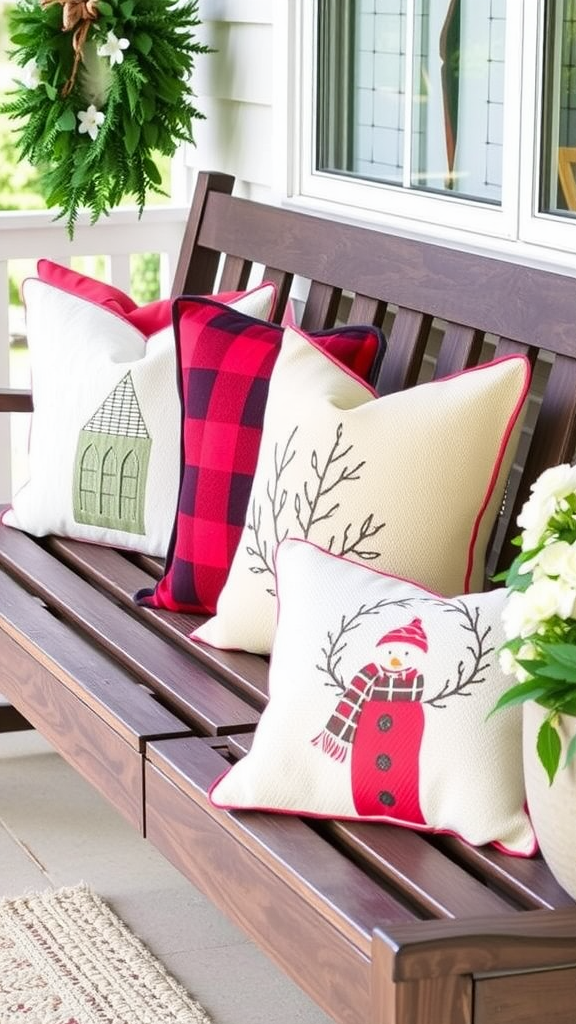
15, 400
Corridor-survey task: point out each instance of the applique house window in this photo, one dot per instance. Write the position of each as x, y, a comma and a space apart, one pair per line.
112, 463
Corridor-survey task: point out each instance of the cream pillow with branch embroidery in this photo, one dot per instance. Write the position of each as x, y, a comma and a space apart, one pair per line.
410, 482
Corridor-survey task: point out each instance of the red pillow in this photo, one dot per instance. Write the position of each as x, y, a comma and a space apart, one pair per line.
224, 361
148, 319
87, 287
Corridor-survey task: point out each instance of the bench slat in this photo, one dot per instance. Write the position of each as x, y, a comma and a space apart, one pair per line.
166, 669
420, 872
430, 869
526, 880
460, 348
15, 400
287, 845
367, 310
406, 346
83, 669
553, 441
235, 274
321, 307
119, 577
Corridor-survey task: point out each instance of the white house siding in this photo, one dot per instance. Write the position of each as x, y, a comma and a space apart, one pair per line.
234, 89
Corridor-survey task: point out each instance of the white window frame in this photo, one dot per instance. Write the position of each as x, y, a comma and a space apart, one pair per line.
515, 229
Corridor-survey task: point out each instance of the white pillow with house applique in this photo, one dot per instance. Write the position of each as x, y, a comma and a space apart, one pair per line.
410, 482
104, 455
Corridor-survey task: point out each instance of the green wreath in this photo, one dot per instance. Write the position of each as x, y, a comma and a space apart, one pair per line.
104, 87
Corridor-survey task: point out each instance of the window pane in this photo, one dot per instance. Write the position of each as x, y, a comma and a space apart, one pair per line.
558, 182
448, 102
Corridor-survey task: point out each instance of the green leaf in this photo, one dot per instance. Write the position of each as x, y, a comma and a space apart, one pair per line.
127, 8
561, 673
150, 133
67, 121
530, 690
21, 38
132, 94
104, 8
50, 91
143, 42
562, 654
152, 171
571, 752
132, 135
548, 747
148, 104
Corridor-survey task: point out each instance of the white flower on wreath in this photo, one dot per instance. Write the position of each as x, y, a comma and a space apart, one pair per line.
30, 75
90, 121
113, 48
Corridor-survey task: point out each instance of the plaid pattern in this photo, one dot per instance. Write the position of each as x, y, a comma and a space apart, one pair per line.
225, 362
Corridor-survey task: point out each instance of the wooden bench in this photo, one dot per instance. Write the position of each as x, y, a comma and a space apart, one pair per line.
378, 924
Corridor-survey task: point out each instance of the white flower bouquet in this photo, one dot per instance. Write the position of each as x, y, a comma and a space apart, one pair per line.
539, 614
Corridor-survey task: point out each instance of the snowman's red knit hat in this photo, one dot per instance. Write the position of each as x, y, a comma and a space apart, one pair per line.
412, 633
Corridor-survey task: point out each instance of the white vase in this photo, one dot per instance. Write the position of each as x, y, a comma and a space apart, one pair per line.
552, 808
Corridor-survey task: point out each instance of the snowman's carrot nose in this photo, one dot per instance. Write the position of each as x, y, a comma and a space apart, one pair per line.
395, 662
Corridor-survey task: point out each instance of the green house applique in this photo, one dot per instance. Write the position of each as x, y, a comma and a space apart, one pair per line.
111, 463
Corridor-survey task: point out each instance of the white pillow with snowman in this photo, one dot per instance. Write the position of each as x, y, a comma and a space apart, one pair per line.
380, 692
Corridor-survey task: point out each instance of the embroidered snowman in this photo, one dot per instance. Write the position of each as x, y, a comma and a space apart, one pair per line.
381, 720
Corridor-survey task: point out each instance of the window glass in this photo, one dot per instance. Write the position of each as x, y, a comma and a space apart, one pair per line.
411, 93
558, 181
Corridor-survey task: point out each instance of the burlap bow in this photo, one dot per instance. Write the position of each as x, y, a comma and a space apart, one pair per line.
78, 15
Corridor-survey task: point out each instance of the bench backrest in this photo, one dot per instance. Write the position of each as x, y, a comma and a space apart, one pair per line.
442, 310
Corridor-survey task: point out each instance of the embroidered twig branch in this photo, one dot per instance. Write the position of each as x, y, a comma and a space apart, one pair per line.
477, 648
307, 509
336, 644
277, 497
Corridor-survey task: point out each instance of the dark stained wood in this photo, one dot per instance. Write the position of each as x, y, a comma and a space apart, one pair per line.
403, 355
290, 928
283, 282
197, 267
15, 400
11, 720
165, 669
494, 296
511, 1000
553, 441
235, 274
367, 310
461, 347
94, 749
321, 307
120, 578
529, 941
380, 925
34, 636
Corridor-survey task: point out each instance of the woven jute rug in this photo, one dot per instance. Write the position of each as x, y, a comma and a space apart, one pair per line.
65, 958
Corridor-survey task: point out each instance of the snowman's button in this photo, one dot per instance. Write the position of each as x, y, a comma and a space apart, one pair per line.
384, 762
387, 798
385, 722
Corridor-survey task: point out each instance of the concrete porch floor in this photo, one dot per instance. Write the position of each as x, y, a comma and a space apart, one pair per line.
55, 830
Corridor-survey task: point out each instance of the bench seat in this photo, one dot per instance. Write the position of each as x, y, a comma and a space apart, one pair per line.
379, 924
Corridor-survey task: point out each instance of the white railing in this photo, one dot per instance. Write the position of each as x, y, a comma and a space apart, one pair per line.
117, 238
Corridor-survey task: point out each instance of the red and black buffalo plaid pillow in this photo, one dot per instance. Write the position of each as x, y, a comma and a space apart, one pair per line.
225, 360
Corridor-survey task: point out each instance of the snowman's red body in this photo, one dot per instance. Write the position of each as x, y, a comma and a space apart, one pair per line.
386, 747
380, 717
